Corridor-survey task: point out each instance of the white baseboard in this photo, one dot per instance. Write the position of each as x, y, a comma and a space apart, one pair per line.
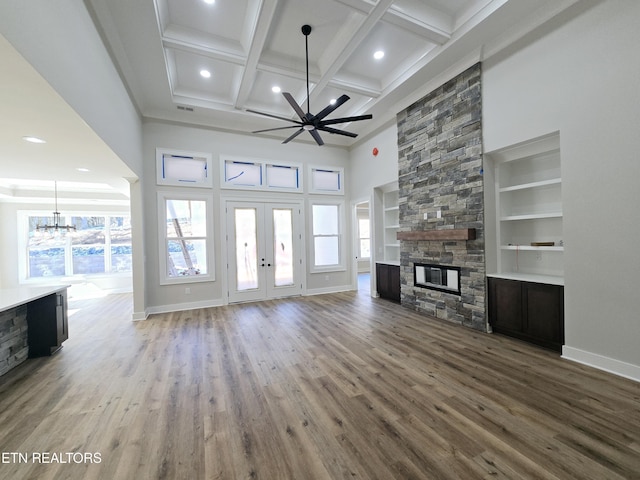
178, 307
611, 365
137, 316
333, 289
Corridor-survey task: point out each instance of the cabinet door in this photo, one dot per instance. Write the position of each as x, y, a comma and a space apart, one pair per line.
505, 306
544, 313
394, 283
388, 281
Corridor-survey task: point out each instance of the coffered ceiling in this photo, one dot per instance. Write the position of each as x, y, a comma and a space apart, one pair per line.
251, 46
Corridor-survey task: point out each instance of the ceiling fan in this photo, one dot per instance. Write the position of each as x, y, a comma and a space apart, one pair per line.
308, 121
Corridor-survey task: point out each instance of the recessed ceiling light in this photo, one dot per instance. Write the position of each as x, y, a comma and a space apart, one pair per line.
378, 55
33, 139
82, 169
205, 73
276, 89
332, 101
210, 2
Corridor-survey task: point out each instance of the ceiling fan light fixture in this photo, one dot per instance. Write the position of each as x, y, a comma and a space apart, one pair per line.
308, 121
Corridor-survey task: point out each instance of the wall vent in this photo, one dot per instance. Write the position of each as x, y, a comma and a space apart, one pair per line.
187, 109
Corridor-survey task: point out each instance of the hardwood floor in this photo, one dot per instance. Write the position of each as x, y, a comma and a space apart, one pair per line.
326, 387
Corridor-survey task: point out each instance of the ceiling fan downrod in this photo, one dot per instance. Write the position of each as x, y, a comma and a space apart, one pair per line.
306, 30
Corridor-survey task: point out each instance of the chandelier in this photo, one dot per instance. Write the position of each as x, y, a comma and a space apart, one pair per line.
56, 229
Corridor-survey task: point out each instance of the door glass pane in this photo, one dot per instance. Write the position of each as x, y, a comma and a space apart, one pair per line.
246, 249
283, 246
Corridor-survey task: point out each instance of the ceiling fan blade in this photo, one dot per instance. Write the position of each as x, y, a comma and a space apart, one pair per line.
338, 132
277, 128
275, 116
294, 105
333, 121
316, 136
330, 108
295, 134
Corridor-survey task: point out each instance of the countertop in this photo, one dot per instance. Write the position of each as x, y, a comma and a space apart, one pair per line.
13, 297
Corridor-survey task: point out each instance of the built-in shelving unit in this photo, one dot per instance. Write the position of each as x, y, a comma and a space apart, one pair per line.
391, 225
528, 206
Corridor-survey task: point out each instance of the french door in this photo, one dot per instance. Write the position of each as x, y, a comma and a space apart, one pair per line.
264, 250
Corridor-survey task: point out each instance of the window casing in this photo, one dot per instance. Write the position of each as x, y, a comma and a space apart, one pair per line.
328, 239
185, 169
186, 238
326, 180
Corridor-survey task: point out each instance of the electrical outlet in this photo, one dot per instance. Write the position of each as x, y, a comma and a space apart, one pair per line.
187, 291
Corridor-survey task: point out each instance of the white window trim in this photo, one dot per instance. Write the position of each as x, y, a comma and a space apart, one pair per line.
341, 265
207, 183
263, 164
338, 170
165, 279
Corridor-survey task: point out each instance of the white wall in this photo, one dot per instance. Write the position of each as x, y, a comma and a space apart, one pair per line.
581, 79
169, 136
368, 170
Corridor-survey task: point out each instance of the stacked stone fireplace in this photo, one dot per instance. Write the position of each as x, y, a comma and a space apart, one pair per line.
441, 188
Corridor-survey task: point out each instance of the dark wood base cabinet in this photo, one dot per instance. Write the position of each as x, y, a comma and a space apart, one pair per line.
530, 311
47, 324
388, 281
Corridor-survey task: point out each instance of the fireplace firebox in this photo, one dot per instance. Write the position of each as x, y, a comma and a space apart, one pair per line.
437, 277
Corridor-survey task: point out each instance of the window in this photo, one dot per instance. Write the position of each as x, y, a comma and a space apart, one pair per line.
327, 181
185, 231
364, 236
187, 169
260, 175
99, 245
327, 238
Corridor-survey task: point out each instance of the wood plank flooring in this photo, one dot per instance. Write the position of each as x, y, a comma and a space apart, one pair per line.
337, 386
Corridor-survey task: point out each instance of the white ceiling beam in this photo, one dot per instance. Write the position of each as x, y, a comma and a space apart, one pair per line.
342, 54
264, 19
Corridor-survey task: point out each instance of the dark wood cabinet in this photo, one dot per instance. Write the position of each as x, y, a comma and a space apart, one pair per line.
530, 311
47, 324
388, 281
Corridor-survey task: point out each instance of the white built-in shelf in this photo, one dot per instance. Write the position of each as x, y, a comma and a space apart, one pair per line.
531, 216
528, 208
394, 226
524, 186
392, 209
532, 248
